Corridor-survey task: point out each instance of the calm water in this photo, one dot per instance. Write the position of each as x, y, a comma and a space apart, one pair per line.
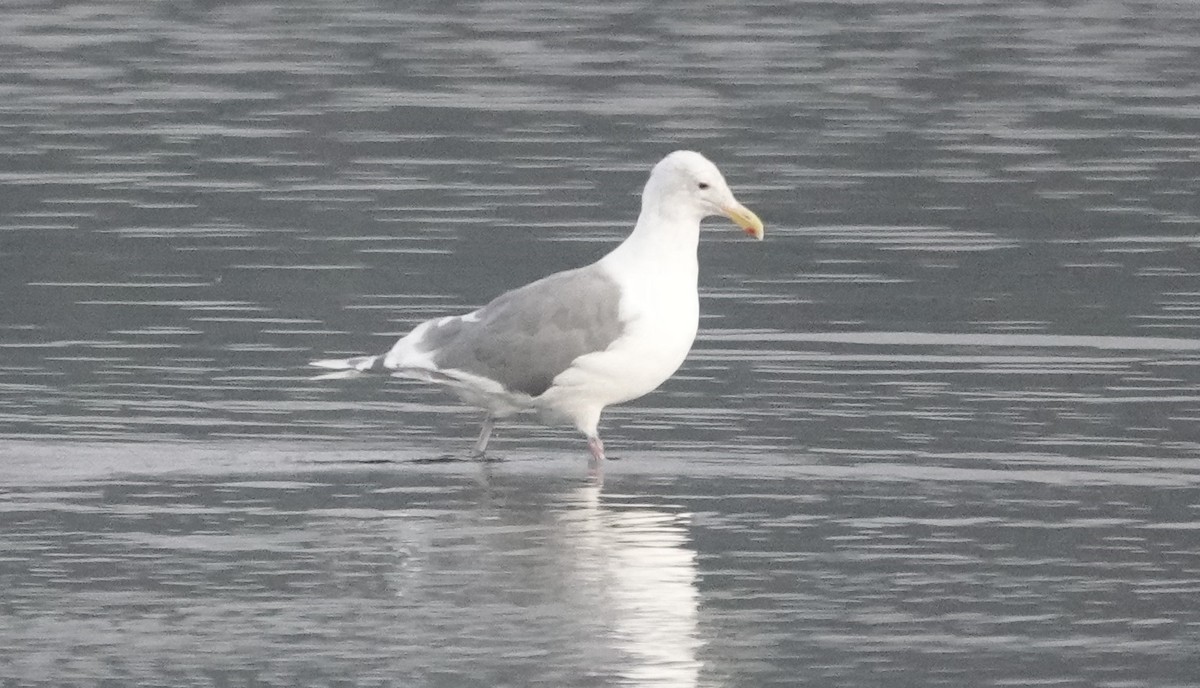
941, 428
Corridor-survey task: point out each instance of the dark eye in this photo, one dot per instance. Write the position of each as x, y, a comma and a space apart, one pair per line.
703, 185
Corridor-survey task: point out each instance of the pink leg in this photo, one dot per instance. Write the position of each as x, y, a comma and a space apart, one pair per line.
596, 447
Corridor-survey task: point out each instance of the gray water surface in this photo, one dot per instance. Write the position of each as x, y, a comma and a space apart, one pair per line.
940, 428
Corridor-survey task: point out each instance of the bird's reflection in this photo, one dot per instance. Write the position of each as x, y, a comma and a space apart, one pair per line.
637, 568
591, 581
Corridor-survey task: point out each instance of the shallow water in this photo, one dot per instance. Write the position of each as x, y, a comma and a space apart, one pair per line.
273, 563
939, 428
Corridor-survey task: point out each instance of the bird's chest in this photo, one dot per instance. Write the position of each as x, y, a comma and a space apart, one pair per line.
663, 319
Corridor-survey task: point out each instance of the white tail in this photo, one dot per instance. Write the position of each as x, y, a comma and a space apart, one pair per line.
344, 368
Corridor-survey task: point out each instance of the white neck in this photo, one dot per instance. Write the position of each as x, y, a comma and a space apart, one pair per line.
666, 239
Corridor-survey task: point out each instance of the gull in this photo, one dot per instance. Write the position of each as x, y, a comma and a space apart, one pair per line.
577, 341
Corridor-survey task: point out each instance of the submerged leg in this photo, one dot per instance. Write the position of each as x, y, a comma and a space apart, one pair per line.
596, 461
596, 447
485, 433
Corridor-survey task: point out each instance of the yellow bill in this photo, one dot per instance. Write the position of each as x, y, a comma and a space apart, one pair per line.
744, 218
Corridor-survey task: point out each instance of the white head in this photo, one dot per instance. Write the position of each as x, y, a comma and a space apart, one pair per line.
687, 182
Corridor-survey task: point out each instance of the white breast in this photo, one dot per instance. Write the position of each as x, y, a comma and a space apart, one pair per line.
662, 317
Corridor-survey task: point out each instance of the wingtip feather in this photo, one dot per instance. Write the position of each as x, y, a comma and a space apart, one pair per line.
344, 367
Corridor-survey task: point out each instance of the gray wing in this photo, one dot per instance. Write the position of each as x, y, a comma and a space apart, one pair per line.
526, 337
